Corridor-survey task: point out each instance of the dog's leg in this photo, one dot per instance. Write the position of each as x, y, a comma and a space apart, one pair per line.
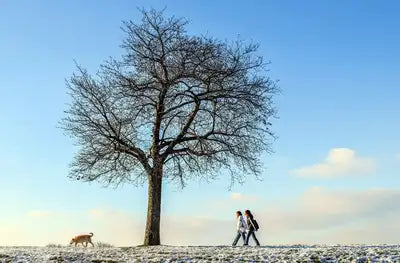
90, 241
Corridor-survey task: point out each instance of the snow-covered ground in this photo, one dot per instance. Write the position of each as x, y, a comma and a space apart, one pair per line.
383, 253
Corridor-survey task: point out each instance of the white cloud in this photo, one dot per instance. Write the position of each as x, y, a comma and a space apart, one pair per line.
340, 162
236, 196
243, 197
315, 216
320, 216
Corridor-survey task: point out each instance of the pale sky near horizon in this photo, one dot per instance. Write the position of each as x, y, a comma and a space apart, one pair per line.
333, 176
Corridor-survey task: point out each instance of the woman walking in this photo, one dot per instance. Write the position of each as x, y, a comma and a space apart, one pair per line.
250, 228
240, 227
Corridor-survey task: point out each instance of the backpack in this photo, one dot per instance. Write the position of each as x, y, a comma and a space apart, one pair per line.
255, 224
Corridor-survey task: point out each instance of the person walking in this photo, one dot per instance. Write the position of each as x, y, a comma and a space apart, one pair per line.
240, 227
251, 227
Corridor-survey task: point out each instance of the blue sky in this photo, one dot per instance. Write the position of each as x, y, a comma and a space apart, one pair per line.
339, 71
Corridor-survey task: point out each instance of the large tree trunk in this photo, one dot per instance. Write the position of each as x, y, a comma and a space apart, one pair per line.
152, 235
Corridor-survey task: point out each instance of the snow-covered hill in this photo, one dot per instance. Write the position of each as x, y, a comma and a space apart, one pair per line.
384, 253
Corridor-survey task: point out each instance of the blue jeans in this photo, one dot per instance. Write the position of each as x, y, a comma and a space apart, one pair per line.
251, 233
238, 235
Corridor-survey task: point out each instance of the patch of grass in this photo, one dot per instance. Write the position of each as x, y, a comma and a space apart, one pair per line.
142, 246
57, 259
102, 244
125, 249
54, 245
104, 261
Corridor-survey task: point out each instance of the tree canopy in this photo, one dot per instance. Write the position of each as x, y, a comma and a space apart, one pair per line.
175, 105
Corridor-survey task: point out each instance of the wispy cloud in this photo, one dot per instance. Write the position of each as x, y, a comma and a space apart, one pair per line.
317, 215
339, 162
325, 216
243, 197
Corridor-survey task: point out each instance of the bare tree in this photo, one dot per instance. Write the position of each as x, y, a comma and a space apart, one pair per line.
175, 106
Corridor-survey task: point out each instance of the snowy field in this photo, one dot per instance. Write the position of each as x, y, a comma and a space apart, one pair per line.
203, 254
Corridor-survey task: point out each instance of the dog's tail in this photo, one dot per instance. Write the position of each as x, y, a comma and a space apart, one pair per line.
91, 234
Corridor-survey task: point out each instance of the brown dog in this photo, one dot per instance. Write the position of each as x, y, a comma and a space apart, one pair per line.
82, 239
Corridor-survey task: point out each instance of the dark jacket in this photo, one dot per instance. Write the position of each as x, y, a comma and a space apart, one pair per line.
249, 224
